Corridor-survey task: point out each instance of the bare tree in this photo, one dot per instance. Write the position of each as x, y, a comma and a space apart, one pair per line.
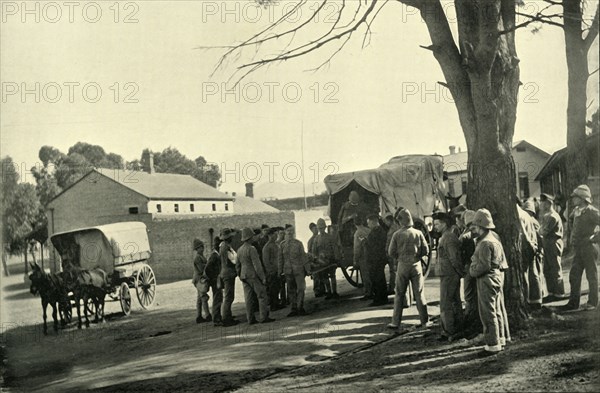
579, 32
481, 68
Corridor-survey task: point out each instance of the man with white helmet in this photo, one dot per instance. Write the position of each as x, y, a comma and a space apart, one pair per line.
585, 218
487, 266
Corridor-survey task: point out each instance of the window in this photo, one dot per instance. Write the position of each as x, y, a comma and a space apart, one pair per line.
133, 210
451, 186
192, 207
177, 208
214, 207
523, 185
227, 207
463, 185
158, 208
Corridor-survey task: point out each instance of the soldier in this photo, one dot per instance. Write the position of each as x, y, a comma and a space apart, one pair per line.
451, 271
472, 321
293, 264
377, 259
408, 246
318, 278
487, 266
532, 258
325, 248
200, 281
361, 261
551, 230
584, 218
270, 253
228, 274
251, 273
212, 272
392, 227
283, 297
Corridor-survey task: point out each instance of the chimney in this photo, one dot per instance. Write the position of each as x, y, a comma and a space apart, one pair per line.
151, 163
250, 190
233, 194
452, 149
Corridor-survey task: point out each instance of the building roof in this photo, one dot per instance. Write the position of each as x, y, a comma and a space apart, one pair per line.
164, 186
246, 205
457, 162
558, 155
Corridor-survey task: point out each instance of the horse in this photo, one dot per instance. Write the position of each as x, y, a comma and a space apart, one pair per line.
52, 291
88, 285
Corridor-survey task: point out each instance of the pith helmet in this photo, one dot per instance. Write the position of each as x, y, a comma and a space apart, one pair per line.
247, 234
197, 244
583, 192
227, 233
468, 216
529, 206
483, 218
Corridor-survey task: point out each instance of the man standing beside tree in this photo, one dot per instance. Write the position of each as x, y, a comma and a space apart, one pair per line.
551, 230
584, 218
488, 266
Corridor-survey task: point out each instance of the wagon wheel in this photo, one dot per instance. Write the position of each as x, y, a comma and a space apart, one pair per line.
66, 311
125, 298
89, 305
145, 286
353, 276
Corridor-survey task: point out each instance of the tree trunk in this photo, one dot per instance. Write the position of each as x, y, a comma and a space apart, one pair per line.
483, 77
578, 73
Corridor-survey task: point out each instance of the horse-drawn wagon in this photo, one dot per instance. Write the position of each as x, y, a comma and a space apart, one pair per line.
414, 182
121, 250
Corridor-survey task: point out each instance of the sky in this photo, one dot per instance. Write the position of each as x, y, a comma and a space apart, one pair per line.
134, 75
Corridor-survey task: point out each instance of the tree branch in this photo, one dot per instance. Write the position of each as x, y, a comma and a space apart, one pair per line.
593, 31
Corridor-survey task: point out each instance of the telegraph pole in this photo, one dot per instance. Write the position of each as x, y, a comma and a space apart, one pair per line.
302, 155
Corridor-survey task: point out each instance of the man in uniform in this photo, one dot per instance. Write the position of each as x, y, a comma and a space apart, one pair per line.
361, 262
472, 321
532, 258
212, 272
270, 257
293, 264
250, 271
408, 246
392, 227
488, 266
325, 248
318, 278
551, 230
584, 218
451, 270
228, 274
201, 283
377, 259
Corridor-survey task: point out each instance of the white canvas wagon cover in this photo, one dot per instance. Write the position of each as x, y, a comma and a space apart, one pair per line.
104, 246
414, 182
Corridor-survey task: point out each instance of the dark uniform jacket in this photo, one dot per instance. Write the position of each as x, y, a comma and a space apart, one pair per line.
227, 266
448, 255
375, 246
270, 255
584, 221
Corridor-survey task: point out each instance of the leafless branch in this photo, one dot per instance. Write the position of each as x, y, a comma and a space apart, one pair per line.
593, 31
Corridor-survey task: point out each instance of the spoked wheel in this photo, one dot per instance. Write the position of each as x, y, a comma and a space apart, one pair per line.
89, 305
66, 310
145, 286
125, 298
353, 276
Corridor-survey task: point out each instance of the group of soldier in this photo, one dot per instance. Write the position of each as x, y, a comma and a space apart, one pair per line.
272, 265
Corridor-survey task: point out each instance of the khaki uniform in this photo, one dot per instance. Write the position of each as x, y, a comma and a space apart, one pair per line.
451, 271
584, 222
201, 283
228, 275
391, 261
270, 257
325, 248
252, 275
551, 230
532, 259
487, 266
293, 263
407, 246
